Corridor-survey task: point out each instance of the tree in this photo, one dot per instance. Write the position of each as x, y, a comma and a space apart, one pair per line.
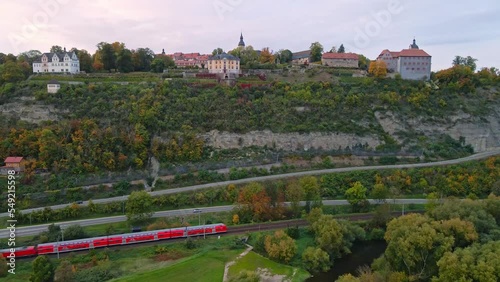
266, 56
312, 192
139, 206
29, 56
465, 61
74, 232
11, 72
316, 51
64, 272
363, 62
348, 278
378, 68
341, 49
380, 192
415, 246
161, 63
280, 246
108, 56
124, 61
285, 56
356, 196
56, 49
217, 51
333, 49
316, 260
328, 235
85, 61
142, 59
294, 194
43, 270
475, 263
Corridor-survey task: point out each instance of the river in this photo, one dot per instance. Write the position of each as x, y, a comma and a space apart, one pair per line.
362, 254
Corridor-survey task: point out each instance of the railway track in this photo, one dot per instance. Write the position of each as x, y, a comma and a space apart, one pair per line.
233, 230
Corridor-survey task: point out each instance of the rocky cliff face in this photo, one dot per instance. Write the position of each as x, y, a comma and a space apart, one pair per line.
481, 133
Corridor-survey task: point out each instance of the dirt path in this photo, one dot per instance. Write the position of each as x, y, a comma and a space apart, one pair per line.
229, 264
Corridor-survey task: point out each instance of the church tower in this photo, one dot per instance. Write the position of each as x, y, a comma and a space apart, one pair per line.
414, 45
242, 43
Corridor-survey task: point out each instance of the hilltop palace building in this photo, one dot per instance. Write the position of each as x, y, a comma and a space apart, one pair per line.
412, 63
64, 62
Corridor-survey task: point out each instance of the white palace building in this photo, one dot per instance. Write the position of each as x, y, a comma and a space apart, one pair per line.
65, 62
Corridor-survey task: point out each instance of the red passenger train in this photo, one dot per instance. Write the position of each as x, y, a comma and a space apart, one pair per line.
115, 240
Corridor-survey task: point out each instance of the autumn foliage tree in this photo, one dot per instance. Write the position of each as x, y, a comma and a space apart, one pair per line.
378, 69
266, 56
280, 246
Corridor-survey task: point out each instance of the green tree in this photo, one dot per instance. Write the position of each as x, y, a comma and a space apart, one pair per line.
415, 246
280, 246
124, 61
108, 56
11, 72
328, 235
475, 263
312, 192
348, 278
161, 63
316, 260
380, 192
465, 61
142, 59
341, 49
64, 272
139, 206
43, 270
74, 232
217, 51
85, 61
356, 196
285, 56
316, 51
29, 56
294, 194
56, 49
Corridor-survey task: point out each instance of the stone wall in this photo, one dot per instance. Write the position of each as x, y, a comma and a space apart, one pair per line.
286, 141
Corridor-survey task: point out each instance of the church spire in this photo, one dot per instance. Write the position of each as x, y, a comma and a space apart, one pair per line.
242, 43
414, 45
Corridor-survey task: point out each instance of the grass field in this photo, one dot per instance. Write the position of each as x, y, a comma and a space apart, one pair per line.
253, 261
207, 266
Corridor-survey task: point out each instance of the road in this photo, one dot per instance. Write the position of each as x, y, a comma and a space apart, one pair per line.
36, 229
479, 156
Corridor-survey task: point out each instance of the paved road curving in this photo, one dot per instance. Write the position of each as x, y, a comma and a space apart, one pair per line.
36, 229
479, 156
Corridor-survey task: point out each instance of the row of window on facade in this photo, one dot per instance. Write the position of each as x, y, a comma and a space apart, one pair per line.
415, 64
418, 69
67, 70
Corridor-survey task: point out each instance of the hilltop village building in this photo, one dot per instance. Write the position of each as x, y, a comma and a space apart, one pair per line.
65, 62
340, 60
189, 60
412, 63
302, 58
225, 65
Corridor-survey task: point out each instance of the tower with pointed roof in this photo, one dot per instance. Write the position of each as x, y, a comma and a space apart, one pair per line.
242, 43
414, 45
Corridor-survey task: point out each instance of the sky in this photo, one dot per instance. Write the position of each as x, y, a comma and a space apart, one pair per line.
442, 28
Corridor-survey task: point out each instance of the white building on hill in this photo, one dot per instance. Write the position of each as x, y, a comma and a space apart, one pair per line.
412, 63
65, 62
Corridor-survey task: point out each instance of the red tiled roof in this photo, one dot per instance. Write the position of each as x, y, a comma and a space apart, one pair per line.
413, 53
13, 159
347, 56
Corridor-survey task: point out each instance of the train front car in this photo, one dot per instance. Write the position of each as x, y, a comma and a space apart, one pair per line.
21, 252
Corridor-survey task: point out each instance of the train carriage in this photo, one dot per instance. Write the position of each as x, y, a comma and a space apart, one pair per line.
20, 252
116, 240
